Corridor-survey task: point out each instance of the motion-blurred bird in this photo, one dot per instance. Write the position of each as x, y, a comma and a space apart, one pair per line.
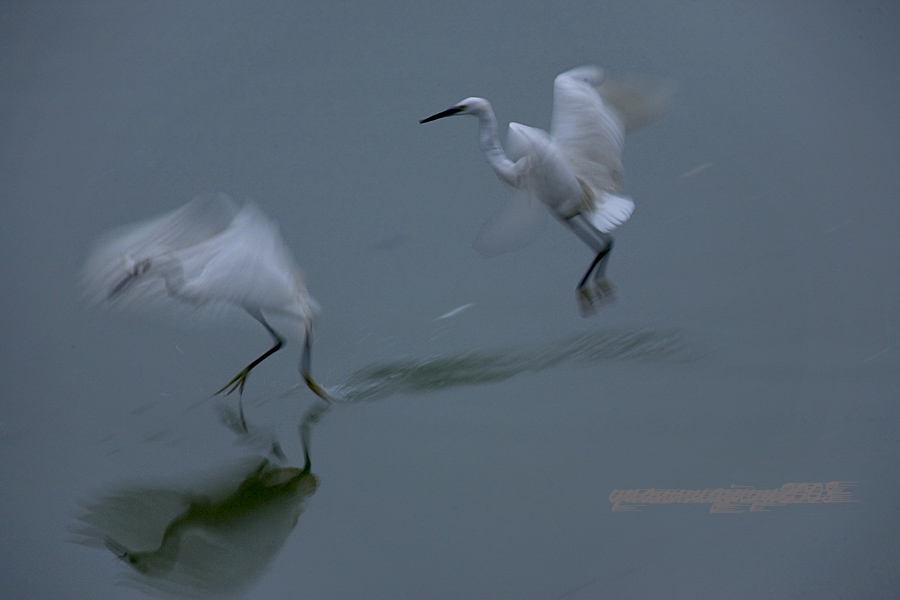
205, 253
575, 170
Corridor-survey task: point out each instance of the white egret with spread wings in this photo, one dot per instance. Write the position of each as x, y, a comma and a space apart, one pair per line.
208, 252
575, 170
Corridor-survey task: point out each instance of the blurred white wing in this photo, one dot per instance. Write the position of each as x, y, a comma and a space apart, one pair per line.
587, 133
248, 264
517, 224
518, 141
639, 101
521, 218
110, 273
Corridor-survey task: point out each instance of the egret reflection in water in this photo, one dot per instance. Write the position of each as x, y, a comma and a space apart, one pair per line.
209, 539
383, 379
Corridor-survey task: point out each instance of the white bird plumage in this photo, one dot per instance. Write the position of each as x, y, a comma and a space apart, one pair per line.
205, 253
575, 171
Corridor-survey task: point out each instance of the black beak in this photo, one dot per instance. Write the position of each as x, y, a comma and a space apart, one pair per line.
455, 110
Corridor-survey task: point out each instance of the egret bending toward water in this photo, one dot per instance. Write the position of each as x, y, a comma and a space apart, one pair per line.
575, 170
208, 252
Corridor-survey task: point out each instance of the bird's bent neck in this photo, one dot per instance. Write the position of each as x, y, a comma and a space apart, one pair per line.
489, 141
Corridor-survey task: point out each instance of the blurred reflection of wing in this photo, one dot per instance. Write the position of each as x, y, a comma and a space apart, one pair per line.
209, 541
514, 226
384, 379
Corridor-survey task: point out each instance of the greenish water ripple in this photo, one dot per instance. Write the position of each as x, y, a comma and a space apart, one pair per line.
410, 375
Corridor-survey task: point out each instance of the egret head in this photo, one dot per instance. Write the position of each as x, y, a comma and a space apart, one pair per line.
590, 74
469, 106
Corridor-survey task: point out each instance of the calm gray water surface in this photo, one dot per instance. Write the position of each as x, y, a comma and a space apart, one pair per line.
754, 341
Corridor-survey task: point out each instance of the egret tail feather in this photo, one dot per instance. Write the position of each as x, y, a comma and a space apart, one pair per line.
611, 212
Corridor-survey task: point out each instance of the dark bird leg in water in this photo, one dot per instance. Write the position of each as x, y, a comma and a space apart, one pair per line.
237, 383
601, 243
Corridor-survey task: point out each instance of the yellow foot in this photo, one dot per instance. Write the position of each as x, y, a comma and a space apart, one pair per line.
604, 290
589, 297
317, 389
235, 384
585, 302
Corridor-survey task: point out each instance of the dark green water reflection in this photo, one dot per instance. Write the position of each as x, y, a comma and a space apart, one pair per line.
383, 379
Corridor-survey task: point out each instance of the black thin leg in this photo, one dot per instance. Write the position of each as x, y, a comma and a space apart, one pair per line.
602, 244
598, 267
311, 417
599, 242
237, 383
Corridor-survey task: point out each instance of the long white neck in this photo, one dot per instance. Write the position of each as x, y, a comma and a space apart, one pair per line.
489, 141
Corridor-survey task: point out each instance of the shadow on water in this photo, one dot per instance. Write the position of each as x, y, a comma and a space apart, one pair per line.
208, 539
379, 380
